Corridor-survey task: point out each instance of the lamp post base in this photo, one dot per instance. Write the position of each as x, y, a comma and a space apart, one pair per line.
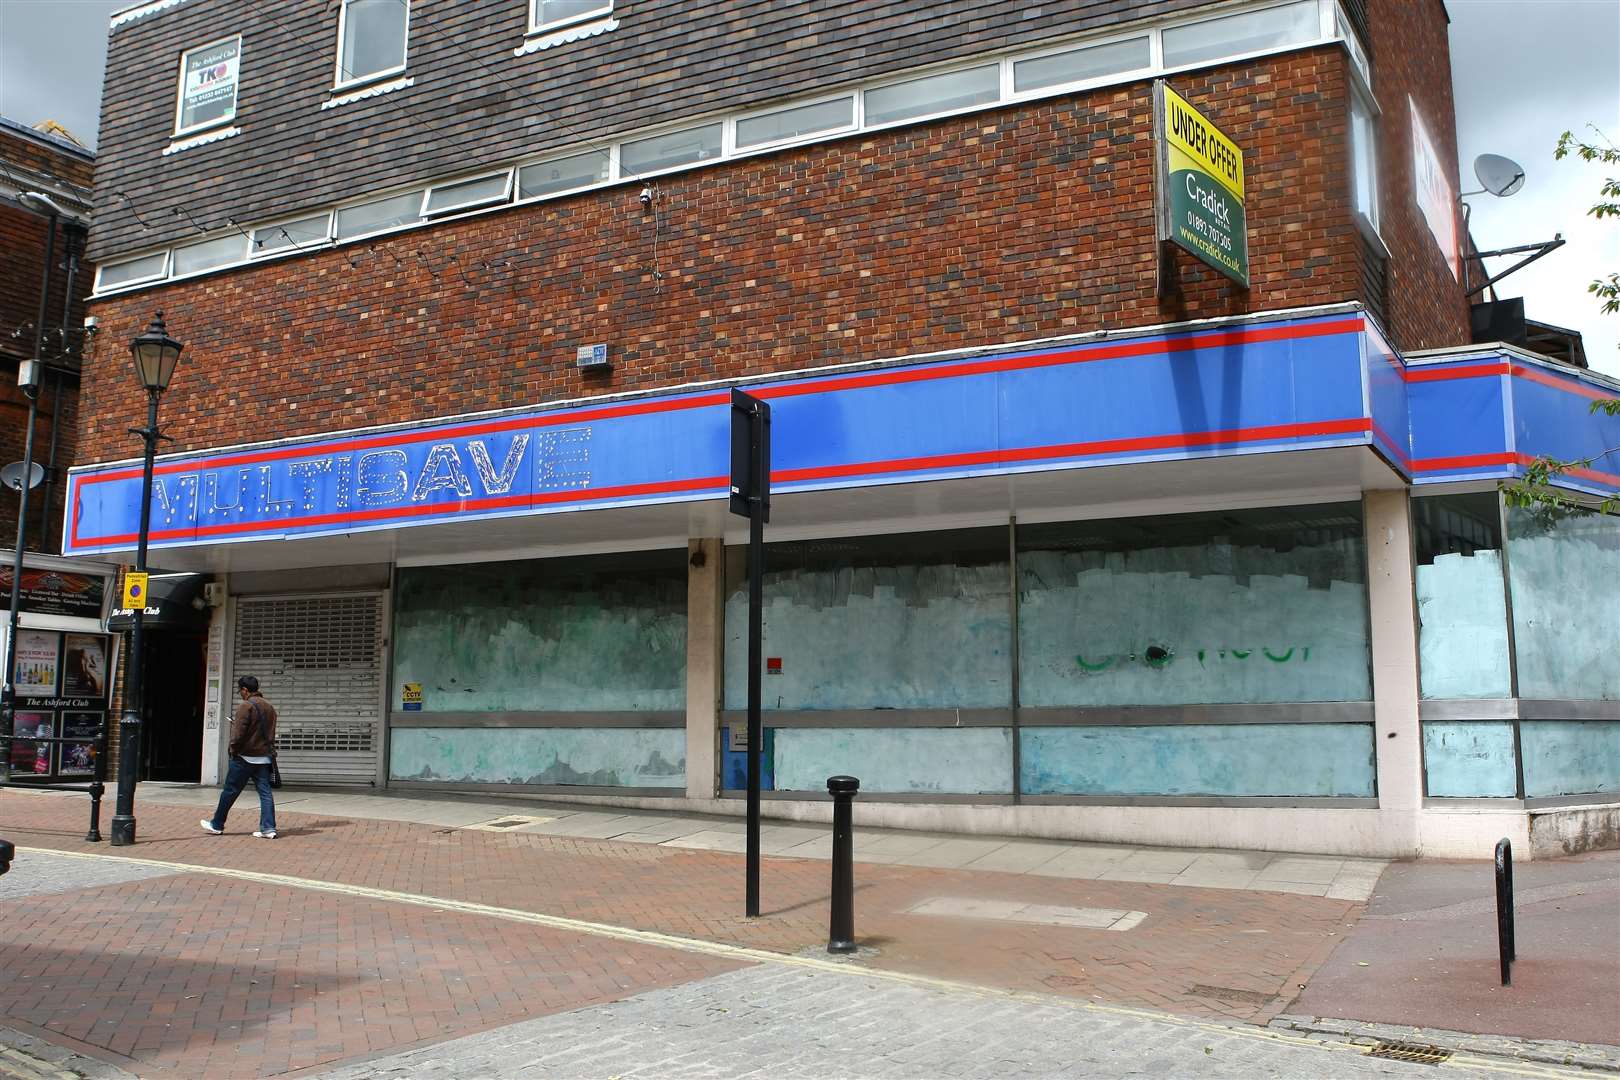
123, 830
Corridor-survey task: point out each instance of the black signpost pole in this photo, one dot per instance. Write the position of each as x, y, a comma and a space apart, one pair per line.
751, 497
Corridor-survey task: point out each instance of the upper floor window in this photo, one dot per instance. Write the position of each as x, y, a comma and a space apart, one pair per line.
1246, 32
371, 39
1364, 159
208, 78
551, 14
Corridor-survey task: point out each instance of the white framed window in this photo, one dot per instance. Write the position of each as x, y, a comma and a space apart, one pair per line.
379, 215
1243, 33
559, 175
1083, 64
209, 75
1364, 159
548, 15
132, 271
465, 194
671, 149
932, 94
303, 232
796, 122
371, 39
209, 254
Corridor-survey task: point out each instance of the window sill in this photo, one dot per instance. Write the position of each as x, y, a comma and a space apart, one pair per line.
374, 90
1369, 232
202, 139
546, 39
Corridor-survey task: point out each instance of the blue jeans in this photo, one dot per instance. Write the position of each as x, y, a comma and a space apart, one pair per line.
236, 779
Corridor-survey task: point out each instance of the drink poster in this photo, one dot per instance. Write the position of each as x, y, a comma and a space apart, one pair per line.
28, 756
84, 666
79, 758
36, 663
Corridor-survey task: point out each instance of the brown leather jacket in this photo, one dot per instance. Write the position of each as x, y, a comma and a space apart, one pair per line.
253, 728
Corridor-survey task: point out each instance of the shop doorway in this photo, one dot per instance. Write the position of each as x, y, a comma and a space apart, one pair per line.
173, 712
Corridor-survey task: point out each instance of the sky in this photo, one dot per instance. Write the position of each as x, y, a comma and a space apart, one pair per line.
1524, 71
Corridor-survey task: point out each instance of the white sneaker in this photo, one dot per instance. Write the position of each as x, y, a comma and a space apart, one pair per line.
208, 826
271, 835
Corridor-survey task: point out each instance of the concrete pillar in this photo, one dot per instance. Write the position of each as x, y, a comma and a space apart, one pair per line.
1392, 603
219, 697
705, 651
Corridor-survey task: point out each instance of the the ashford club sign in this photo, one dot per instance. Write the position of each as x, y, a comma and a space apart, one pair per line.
1200, 186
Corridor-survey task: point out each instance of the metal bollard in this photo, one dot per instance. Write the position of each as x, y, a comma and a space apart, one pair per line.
841, 933
1504, 909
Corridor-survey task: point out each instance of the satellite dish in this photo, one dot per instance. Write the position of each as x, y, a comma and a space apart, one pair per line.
11, 475
1499, 175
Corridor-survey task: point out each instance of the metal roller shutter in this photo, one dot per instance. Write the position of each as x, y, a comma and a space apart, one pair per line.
319, 660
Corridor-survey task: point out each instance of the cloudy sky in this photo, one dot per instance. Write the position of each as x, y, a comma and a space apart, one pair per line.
1524, 70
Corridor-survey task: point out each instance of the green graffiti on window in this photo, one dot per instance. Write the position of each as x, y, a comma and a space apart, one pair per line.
1159, 657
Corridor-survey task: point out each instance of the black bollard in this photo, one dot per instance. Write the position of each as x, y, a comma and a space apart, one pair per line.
841, 934
7, 852
1504, 909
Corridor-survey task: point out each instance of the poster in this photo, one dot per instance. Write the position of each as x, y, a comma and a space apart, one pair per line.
79, 758
84, 666
36, 663
53, 592
28, 756
208, 84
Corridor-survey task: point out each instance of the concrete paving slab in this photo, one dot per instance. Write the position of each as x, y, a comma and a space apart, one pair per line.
1307, 871
1233, 860
1298, 888
952, 854
709, 840
1146, 877
1018, 857
1201, 878
1159, 861
584, 830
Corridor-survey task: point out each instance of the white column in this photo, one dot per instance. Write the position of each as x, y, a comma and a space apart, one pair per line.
217, 695
1392, 604
705, 645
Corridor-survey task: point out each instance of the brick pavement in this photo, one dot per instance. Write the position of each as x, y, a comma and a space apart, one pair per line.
1228, 954
198, 975
784, 1024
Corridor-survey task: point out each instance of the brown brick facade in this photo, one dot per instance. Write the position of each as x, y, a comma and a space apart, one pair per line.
1029, 221
1412, 58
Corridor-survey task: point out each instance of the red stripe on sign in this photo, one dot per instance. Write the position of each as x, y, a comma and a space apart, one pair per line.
1444, 374
1068, 450
1595, 475
1568, 386
1463, 461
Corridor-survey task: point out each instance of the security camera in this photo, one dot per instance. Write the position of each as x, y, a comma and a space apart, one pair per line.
646, 196
91, 324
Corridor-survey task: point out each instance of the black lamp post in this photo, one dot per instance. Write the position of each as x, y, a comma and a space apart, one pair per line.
28, 380
156, 356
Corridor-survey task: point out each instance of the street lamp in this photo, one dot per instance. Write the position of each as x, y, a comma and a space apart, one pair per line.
156, 356
28, 381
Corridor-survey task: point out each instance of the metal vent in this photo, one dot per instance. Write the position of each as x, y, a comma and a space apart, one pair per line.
311, 632
1421, 1053
327, 738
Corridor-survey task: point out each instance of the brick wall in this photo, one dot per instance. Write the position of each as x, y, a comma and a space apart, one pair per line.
1412, 59
1030, 221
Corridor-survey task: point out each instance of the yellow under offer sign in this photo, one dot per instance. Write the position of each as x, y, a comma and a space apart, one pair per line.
1200, 182
135, 590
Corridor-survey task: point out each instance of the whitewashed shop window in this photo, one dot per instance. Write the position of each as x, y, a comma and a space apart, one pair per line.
390, 213
1238, 35
562, 174
371, 39
1082, 65
795, 122
302, 233
132, 271
208, 81
676, 148
547, 15
933, 94
1364, 159
221, 251
465, 194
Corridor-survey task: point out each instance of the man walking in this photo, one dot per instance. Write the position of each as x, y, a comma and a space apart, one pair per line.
253, 742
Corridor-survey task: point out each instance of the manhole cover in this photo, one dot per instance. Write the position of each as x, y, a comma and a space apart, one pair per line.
1421, 1053
510, 821
506, 823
